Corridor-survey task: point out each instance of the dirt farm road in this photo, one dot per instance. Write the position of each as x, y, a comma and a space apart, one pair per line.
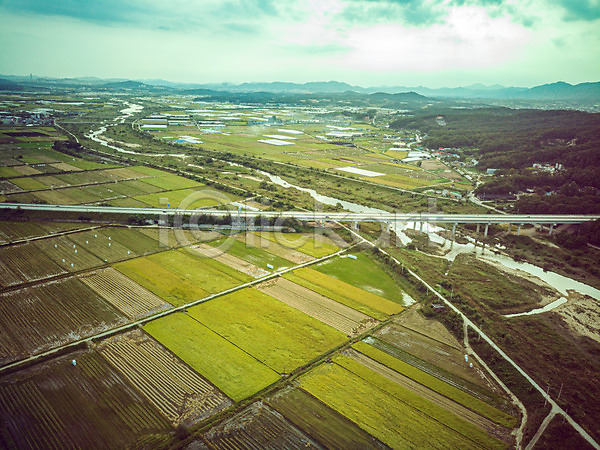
468, 323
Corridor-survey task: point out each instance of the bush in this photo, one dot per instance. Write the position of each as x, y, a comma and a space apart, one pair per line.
182, 431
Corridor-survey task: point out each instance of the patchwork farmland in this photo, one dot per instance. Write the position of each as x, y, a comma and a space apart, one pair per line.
180, 370
128, 332
95, 183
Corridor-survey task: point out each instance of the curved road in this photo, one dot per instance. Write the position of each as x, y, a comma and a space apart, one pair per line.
468, 323
555, 407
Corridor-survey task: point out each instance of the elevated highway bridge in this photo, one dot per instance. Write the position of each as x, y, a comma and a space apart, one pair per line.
322, 216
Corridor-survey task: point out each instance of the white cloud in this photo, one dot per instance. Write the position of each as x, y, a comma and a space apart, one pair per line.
520, 42
468, 38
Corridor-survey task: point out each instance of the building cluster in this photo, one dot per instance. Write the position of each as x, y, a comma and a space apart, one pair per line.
447, 152
444, 193
551, 168
39, 116
162, 121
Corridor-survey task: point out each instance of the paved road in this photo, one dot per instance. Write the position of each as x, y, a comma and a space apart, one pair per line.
555, 407
468, 323
541, 429
322, 216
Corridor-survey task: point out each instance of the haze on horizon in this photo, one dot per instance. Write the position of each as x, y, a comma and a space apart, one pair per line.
434, 43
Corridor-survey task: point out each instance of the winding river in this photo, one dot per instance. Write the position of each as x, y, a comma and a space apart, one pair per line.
561, 283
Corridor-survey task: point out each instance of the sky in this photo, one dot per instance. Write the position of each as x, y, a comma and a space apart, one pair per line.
433, 43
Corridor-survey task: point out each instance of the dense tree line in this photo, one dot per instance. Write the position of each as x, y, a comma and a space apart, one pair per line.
558, 204
506, 138
512, 141
568, 182
585, 233
568, 192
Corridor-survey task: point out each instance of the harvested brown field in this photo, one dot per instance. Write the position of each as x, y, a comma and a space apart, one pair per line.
429, 353
97, 243
8, 187
176, 237
230, 260
124, 294
328, 311
290, 254
14, 230
47, 315
64, 252
64, 167
56, 404
52, 182
25, 262
10, 231
258, 427
122, 173
26, 170
415, 321
442, 169
179, 393
58, 196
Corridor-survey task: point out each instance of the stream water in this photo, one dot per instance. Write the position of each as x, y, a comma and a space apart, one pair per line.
127, 112
559, 282
398, 227
131, 109
548, 307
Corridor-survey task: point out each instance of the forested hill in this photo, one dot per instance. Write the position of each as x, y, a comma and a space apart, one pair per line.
512, 141
507, 138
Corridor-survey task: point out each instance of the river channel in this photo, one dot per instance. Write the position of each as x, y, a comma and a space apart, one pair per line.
561, 283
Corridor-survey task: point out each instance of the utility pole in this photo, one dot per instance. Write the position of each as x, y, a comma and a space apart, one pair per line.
559, 392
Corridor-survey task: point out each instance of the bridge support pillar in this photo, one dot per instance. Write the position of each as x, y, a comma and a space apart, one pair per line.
487, 226
550, 230
355, 226
388, 225
453, 231
509, 225
421, 227
477, 230
519, 230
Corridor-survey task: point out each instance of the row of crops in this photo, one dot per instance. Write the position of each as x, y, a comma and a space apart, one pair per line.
35, 173
183, 368
39, 259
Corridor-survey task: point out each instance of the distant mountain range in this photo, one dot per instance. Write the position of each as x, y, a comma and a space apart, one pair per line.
553, 91
559, 91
